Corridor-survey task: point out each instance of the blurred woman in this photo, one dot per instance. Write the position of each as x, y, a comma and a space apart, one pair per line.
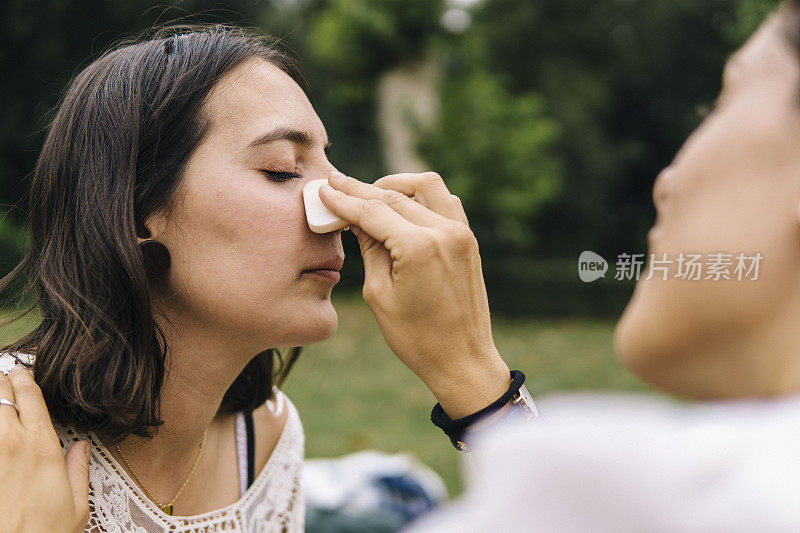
621, 464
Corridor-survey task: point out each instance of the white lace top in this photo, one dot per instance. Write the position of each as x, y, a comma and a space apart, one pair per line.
273, 503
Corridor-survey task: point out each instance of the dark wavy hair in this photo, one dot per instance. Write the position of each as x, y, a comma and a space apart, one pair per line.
114, 155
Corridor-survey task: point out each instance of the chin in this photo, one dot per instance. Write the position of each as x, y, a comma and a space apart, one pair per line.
641, 357
314, 325
628, 344
644, 346
660, 360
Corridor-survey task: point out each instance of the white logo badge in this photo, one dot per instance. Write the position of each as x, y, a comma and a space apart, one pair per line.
591, 266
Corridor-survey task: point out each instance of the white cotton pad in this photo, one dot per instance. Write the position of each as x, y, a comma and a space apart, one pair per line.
320, 219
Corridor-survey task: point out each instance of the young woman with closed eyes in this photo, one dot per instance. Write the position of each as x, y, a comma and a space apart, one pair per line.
172, 258
732, 187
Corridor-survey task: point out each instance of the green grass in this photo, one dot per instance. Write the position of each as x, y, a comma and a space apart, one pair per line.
353, 393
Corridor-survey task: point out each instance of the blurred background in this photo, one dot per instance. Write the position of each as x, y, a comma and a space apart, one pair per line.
550, 118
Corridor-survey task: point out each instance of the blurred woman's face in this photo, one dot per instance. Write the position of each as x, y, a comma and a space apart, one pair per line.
244, 262
734, 187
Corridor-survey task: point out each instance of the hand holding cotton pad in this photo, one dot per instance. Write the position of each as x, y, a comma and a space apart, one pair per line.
320, 219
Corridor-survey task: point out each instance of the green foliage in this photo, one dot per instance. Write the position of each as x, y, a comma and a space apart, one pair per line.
523, 287
749, 14
622, 79
13, 240
363, 37
493, 149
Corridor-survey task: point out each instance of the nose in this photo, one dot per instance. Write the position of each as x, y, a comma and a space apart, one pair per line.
317, 219
660, 186
322, 171
319, 170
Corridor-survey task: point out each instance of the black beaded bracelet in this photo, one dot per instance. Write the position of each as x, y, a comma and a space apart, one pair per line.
455, 429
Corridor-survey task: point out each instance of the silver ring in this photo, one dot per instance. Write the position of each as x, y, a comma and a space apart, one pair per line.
3, 401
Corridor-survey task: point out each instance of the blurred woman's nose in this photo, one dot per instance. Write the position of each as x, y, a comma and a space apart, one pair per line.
661, 185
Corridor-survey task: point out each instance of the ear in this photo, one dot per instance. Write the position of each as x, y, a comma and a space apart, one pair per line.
153, 228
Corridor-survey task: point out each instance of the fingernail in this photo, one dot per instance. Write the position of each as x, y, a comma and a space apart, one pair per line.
336, 175
88, 449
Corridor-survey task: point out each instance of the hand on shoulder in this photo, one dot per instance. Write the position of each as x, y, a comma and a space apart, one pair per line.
51, 491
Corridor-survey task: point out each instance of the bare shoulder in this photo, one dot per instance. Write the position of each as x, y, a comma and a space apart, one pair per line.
269, 421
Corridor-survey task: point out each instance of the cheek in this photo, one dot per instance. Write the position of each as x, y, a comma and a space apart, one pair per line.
238, 254
246, 232
732, 191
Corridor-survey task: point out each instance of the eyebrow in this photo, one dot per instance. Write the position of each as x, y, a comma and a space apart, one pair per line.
283, 133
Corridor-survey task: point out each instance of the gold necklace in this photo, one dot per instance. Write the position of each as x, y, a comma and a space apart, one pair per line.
167, 507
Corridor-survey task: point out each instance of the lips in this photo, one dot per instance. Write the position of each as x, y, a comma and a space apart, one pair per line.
332, 263
327, 270
330, 276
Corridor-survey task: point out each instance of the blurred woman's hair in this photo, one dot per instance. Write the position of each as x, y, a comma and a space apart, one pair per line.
114, 155
789, 11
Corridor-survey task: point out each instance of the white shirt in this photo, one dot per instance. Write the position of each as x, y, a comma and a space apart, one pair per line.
633, 463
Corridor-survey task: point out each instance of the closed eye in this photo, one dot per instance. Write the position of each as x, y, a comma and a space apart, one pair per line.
280, 177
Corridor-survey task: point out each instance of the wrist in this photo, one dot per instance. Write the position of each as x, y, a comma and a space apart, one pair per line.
515, 400
470, 389
490, 419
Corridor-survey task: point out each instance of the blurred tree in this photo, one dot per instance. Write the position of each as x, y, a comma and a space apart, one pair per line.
622, 79
43, 44
491, 146
749, 14
494, 150
350, 44
363, 38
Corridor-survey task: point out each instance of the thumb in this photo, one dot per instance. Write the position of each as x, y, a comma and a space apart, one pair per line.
377, 259
77, 462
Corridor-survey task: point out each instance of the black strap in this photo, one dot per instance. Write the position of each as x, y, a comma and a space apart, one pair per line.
455, 429
251, 447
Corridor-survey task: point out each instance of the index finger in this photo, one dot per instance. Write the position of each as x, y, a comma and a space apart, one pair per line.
410, 209
429, 189
377, 219
33, 412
